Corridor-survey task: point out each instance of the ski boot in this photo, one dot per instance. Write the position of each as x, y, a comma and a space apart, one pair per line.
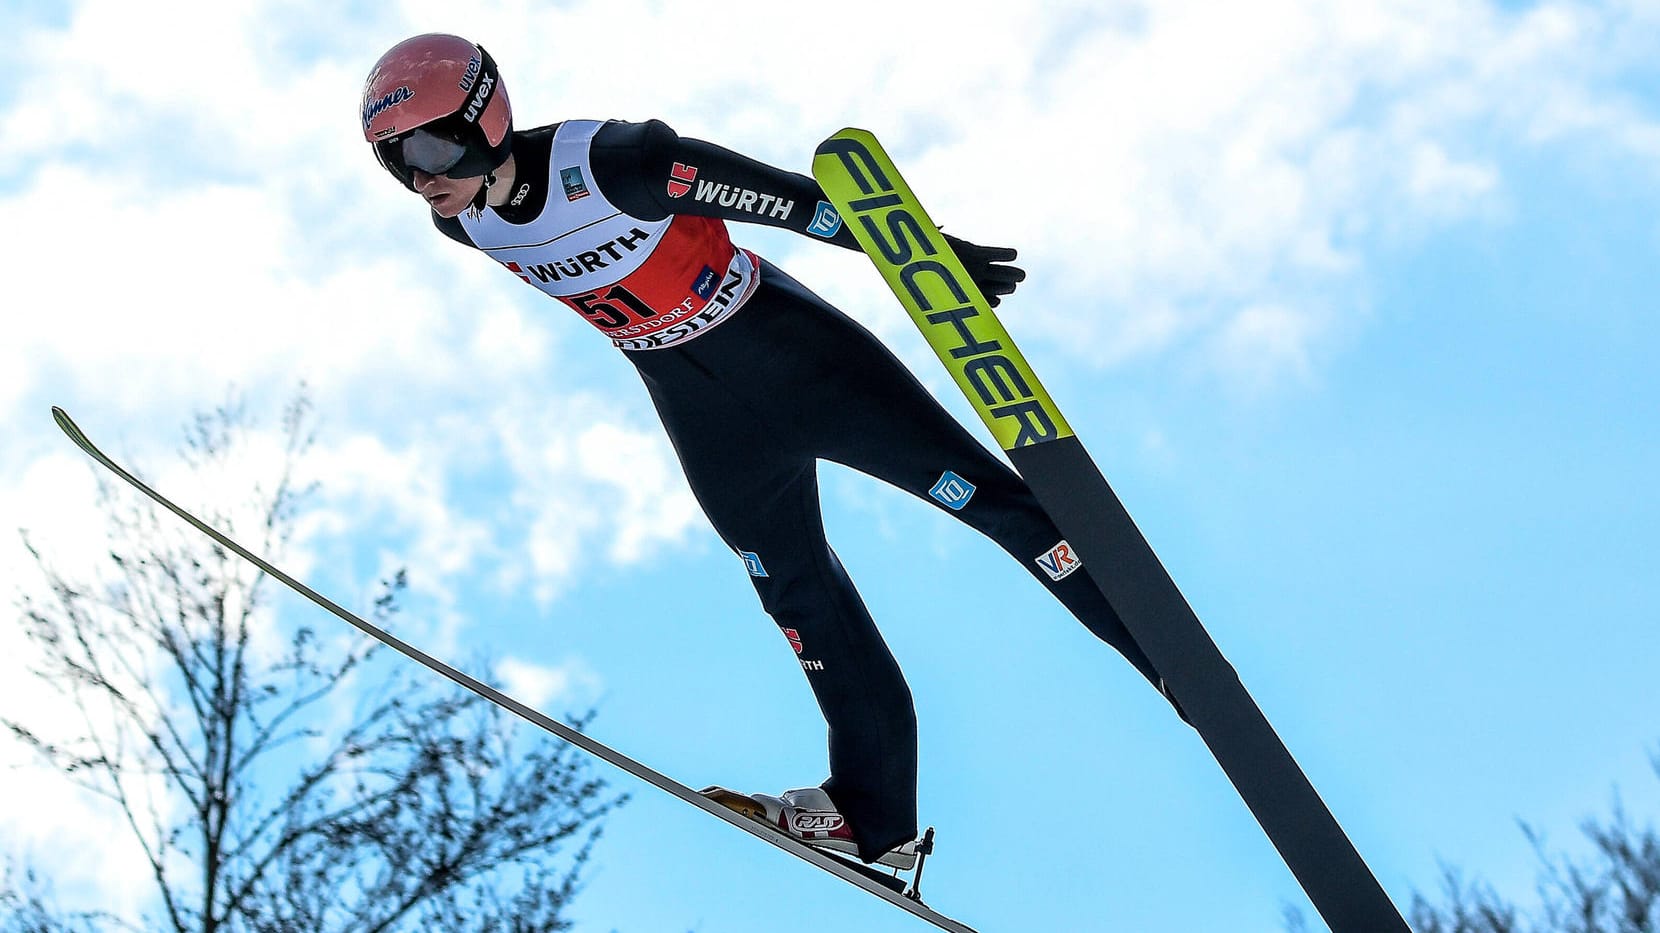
808, 815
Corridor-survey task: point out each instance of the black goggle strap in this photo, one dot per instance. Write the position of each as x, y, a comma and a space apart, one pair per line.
484, 89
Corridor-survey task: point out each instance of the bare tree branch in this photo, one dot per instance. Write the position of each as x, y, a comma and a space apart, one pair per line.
223, 754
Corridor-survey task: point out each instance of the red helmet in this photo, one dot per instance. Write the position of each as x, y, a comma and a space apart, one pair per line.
436, 103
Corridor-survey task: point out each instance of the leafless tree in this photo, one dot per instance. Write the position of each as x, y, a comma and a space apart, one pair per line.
216, 733
1613, 886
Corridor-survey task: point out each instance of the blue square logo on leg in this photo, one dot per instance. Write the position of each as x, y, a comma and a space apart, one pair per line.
952, 491
826, 223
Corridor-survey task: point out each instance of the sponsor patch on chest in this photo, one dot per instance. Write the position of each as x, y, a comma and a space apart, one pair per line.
576, 186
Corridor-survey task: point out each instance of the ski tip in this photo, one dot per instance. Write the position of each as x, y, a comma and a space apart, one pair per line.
69, 427
846, 132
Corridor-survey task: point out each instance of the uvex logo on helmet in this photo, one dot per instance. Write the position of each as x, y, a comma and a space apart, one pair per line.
480, 98
466, 82
384, 103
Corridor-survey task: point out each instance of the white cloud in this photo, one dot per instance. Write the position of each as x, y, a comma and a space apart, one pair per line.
1261, 344
405, 495
540, 685
1438, 183
1206, 158
590, 491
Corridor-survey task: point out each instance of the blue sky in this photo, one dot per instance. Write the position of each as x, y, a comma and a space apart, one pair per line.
1354, 303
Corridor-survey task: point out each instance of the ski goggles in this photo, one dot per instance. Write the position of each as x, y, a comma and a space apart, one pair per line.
446, 147
423, 151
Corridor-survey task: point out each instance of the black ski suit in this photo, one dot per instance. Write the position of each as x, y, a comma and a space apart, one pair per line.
753, 394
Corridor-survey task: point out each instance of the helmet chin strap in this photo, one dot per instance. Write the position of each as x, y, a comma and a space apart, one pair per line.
476, 209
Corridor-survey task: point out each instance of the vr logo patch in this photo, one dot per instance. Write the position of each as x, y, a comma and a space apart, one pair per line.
1059, 562
952, 491
826, 223
752, 562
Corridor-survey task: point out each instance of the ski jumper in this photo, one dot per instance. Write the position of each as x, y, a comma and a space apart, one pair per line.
756, 379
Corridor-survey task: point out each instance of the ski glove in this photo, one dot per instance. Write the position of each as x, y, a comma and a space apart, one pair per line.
989, 267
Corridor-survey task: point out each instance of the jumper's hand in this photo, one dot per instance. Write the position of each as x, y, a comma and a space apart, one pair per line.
989, 267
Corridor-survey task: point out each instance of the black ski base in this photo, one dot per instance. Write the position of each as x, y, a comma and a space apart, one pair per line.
894, 883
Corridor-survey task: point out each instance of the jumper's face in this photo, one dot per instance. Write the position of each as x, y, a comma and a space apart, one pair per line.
446, 196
